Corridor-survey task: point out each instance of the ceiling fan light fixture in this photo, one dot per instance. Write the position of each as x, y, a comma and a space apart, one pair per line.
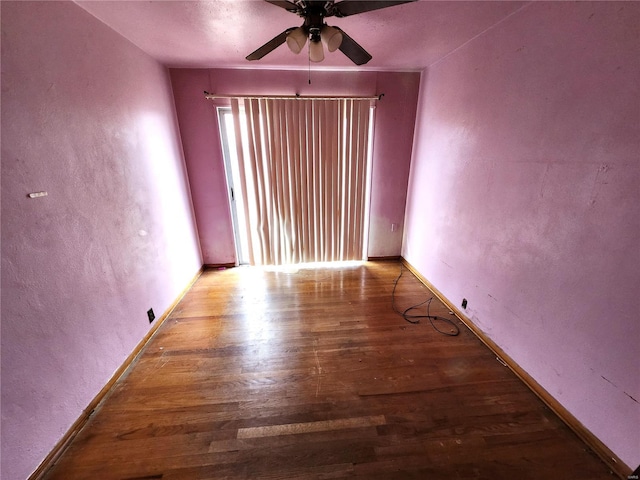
316, 52
317, 32
331, 37
296, 39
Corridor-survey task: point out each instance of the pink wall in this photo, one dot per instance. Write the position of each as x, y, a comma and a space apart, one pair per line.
524, 199
395, 116
88, 118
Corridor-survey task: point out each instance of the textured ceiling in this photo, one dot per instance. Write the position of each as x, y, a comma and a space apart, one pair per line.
220, 33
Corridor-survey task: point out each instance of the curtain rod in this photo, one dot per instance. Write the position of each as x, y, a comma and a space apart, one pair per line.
212, 96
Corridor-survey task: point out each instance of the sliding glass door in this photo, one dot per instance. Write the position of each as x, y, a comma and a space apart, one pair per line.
298, 174
236, 201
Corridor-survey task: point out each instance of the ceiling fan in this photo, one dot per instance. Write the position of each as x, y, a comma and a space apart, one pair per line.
317, 31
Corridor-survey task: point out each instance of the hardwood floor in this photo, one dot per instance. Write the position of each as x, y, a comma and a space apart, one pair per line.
309, 374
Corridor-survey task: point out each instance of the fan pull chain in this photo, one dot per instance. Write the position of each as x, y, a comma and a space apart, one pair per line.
309, 59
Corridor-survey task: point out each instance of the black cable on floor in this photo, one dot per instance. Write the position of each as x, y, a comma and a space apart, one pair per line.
416, 318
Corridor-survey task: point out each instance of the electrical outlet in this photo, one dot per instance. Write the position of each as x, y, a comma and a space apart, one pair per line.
151, 315
464, 303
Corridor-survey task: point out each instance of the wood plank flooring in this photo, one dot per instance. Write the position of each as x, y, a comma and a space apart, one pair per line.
309, 374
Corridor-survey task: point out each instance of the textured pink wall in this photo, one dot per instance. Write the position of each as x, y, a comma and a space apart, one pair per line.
395, 116
393, 138
524, 199
88, 118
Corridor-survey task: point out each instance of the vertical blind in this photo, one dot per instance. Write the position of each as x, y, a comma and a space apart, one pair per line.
303, 169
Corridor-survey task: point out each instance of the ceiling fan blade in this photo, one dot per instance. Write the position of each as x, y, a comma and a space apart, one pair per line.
352, 7
290, 6
351, 49
271, 45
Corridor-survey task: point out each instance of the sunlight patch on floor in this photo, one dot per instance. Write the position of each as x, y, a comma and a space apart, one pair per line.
293, 268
